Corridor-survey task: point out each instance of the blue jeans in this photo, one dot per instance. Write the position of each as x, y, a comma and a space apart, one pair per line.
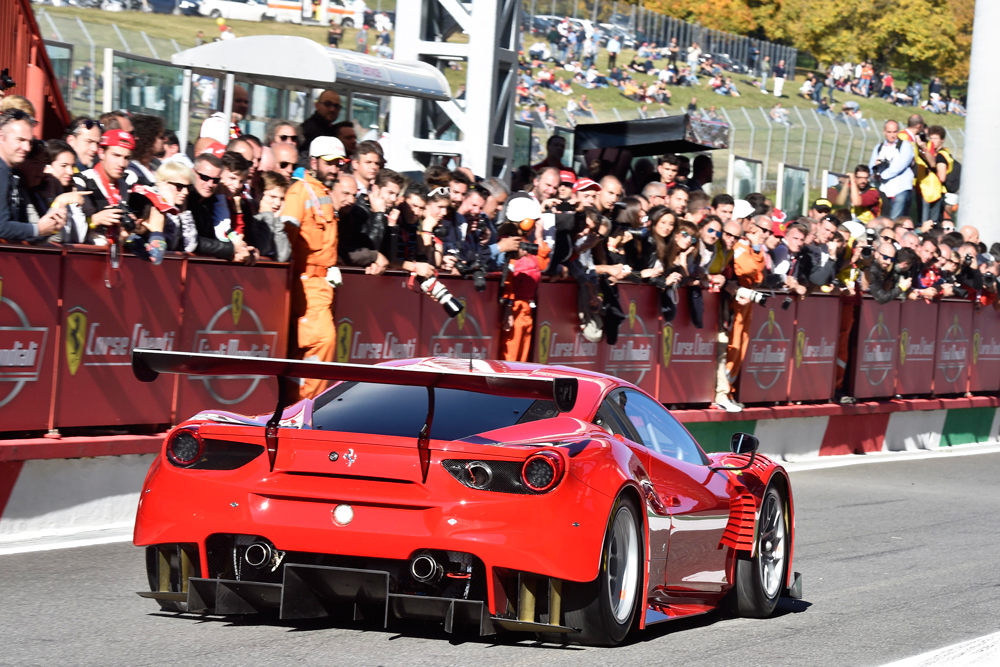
899, 205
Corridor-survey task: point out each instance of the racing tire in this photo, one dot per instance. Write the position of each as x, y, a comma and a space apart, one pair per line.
760, 579
216, 14
347, 23
603, 610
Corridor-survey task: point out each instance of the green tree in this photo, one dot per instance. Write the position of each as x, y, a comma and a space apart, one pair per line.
731, 15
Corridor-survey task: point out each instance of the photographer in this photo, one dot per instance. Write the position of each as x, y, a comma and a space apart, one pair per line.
412, 253
108, 183
891, 166
368, 228
522, 274
883, 279
988, 295
857, 193
143, 232
933, 166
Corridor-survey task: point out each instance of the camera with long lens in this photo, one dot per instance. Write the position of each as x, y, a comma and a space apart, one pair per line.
989, 281
125, 219
530, 248
922, 136
440, 231
467, 269
751, 295
967, 260
435, 288
866, 252
878, 169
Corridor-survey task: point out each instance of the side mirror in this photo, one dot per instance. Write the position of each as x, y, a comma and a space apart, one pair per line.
743, 443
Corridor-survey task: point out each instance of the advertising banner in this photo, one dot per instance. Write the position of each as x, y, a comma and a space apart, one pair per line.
101, 325
954, 334
687, 356
814, 354
984, 373
917, 333
632, 357
377, 318
764, 376
29, 314
875, 353
473, 332
558, 339
236, 310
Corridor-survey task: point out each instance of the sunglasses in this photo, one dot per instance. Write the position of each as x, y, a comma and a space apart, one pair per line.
439, 191
947, 230
91, 124
729, 234
181, 186
886, 257
715, 232
209, 179
888, 239
286, 165
287, 137
340, 162
763, 229
684, 235
330, 105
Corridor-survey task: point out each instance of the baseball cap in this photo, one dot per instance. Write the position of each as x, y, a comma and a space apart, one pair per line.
327, 148
140, 192
742, 209
119, 138
778, 228
215, 148
586, 185
820, 204
523, 208
566, 176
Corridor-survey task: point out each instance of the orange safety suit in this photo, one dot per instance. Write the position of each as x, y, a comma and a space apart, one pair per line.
748, 265
519, 294
313, 235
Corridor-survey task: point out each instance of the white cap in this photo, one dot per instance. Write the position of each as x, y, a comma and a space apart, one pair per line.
856, 228
327, 148
523, 208
742, 209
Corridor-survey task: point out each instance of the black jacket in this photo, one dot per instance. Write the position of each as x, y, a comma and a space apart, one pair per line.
881, 286
13, 208
202, 210
315, 126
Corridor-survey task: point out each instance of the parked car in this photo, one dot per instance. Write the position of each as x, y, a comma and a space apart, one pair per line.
725, 62
243, 10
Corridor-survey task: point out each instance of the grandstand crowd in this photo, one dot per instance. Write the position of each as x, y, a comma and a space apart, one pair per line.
313, 195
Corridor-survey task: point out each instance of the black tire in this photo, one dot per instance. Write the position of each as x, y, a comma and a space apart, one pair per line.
590, 606
760, 580
347, 23
216, 14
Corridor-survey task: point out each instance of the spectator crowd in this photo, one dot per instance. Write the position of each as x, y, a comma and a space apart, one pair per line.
316, 196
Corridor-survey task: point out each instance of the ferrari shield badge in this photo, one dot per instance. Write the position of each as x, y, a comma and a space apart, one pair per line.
76, 337
237, 304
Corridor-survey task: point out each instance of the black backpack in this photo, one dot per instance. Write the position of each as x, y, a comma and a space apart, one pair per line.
954, 180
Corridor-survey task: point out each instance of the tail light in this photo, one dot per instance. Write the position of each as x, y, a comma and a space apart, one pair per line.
185, 447
542, 471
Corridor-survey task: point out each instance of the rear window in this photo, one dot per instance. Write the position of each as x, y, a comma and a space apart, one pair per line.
394, 410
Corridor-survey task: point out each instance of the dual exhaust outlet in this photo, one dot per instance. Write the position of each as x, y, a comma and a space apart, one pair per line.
424, 568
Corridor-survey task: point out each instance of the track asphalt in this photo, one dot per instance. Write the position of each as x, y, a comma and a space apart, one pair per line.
898, 559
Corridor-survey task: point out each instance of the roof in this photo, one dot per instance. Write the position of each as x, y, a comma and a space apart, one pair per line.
275, 59
654, 136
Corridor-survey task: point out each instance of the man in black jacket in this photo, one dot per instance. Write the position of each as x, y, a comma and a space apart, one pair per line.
15, 143
216, 237
367, 231
884, 281
320, 124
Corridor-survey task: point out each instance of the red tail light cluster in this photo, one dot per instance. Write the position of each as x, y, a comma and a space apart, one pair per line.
542, 471
185, 447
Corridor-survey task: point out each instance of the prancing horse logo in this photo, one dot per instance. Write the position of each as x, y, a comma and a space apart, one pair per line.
351, 457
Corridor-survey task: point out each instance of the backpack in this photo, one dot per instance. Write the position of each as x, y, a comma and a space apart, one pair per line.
954, 179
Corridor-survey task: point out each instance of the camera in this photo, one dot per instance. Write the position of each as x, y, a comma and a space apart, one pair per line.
436, 289
440, 231
967, 260
125, 219
989, 280
866, 252
752, 295
871, 235
473, 268
922, 136
530, 248
878, 168
6, 81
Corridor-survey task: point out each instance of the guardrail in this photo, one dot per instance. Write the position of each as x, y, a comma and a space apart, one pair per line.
65, 339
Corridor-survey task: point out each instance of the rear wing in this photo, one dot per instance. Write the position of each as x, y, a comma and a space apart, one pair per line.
148, 364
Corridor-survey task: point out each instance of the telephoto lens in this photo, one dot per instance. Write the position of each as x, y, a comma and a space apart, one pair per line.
530, 248
435, 288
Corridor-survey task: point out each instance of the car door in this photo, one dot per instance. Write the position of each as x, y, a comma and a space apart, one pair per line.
699, 500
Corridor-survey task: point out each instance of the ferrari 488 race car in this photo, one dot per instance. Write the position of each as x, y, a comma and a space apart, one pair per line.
483, 495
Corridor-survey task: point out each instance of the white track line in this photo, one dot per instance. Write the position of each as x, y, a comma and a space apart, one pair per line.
85, 538
980, 652
891, 457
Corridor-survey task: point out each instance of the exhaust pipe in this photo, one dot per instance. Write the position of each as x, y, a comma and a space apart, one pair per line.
425, 569
259, 554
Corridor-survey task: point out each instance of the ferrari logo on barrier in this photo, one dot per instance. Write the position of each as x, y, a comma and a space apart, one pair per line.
22, 349
631, 315
544, 338
952, 353
668, 344
800, 346
768, 353
237, 304
876, 353
904, 341
975, 347
76, 338
344, 333
461, 315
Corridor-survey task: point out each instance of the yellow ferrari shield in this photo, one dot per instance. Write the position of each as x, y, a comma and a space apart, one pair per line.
76, 338
631, 315
461, 315
668, 344
237, 304
544, 339
344, 333
976, 337
800, 347
904, 342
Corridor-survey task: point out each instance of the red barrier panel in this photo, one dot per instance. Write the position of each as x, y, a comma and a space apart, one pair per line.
473, 331
764, 376
631, 357
236, 310
101, 326
954, 331
814, 360
875, 353
557, 330
687, 356
985, 370
29, 325
377, 318
917, 333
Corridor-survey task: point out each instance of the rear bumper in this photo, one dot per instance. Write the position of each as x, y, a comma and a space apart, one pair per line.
558, 534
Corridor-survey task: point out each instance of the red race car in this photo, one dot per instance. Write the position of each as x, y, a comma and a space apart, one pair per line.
485, 495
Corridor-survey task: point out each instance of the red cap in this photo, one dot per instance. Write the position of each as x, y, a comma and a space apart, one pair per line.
586, 185
154, 198
119, 138
566, 176
215, 148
